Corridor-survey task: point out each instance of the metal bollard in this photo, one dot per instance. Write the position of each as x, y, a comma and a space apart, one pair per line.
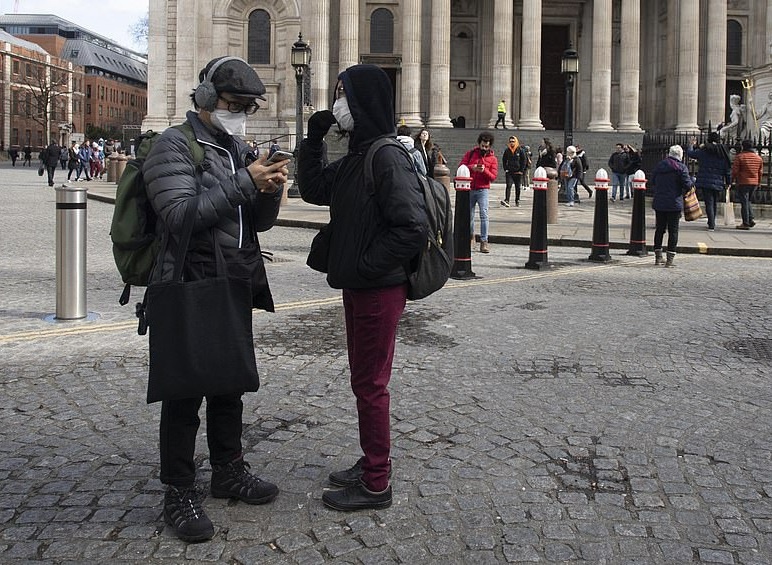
600, 243
638, 224
70, 253
462, 247
537, 258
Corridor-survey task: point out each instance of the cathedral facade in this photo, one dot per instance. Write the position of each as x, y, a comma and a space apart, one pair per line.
653, 65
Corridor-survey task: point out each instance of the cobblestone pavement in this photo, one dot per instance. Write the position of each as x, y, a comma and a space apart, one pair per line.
598, 413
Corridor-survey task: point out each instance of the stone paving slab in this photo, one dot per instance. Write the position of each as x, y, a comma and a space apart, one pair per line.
613, 413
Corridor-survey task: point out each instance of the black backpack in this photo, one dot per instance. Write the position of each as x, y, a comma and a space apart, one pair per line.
133, 228
430, 269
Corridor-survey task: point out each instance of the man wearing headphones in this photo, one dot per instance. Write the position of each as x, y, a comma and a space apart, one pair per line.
234, 197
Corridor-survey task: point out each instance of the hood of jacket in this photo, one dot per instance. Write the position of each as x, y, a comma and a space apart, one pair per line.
369, 94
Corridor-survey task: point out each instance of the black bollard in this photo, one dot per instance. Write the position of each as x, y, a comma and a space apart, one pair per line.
537, 257
600, 246
638, 225
462, 247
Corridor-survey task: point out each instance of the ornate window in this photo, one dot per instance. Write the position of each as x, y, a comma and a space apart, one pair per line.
259, 38
734, 43
382, 31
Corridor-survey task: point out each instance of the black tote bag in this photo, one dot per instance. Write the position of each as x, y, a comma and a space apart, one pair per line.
200, 333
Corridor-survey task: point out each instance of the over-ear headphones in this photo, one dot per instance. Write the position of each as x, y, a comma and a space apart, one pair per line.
206, 94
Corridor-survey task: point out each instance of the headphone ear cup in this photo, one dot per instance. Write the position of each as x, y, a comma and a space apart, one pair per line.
206, 95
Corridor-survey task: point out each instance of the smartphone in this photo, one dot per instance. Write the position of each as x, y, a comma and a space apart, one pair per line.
279, 156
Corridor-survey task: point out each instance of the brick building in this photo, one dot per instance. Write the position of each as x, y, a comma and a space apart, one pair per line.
108, 88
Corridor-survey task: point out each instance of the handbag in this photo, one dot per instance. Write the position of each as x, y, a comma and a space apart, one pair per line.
319, 254
692, 210
200, 332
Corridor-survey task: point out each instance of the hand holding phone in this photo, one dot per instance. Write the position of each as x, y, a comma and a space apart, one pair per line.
280, 156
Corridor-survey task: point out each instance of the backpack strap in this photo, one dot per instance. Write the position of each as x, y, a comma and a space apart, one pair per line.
370, 155
195, 147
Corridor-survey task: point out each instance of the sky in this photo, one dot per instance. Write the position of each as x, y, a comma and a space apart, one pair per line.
109, 18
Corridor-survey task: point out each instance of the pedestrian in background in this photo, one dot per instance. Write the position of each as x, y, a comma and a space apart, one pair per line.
582, 156
50, 159
633, 164
618, 163
501, 115
747, 169
63, 157
403, 136
72, 160
713, 172
670, 180
84, 160
373, 233
570, 169
483, 168
514, 161
428, 151
27, 156
13, 153
527, 172
231, 202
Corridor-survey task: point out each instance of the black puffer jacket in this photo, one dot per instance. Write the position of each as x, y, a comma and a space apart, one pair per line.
228, 207
374, 234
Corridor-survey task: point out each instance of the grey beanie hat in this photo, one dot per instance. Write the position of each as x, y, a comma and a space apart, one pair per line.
236, 77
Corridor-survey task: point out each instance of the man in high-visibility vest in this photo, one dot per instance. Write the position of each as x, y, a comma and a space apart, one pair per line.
501, 109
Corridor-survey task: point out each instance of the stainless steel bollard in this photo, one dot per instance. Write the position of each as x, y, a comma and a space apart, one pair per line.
70, 253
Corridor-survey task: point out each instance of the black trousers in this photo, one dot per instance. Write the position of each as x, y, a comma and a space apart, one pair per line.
667, 221
517, 180
178, 430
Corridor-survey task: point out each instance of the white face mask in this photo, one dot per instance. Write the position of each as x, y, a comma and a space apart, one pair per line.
230, 123
342, 114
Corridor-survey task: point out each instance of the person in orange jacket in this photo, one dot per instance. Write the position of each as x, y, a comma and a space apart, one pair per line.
746, 174
483, 168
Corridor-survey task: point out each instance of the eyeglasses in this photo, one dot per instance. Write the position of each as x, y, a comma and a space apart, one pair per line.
238, 107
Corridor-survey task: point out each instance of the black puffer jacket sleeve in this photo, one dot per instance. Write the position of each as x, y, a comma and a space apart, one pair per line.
315, 176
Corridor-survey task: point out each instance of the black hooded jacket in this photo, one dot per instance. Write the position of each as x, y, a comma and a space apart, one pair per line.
375, 231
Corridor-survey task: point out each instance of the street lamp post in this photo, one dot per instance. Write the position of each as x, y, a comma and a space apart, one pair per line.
301, 60
569, 66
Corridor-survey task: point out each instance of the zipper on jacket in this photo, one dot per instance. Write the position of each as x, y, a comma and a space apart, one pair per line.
233, 170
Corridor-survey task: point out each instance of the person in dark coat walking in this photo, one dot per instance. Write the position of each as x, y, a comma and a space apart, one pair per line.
374, 232
670, 180
50, 158
27, 156
713, 173
233, 198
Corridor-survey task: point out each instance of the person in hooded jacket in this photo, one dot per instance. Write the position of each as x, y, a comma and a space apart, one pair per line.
483, 168
714, 172
374, 232
515, 163
234, 197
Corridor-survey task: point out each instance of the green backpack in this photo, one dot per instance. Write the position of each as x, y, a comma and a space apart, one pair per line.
133, 229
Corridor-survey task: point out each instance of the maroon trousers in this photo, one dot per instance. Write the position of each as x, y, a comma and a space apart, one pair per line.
372, 316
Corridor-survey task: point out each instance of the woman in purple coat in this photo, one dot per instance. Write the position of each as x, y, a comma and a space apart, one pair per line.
670, 181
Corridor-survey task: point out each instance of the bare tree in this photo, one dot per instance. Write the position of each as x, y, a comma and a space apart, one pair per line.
139, 31
45, 91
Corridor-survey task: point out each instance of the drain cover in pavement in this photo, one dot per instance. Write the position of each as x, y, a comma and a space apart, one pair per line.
756, 348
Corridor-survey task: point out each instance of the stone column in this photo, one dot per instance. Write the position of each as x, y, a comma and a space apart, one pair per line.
688, 66
439, 101
7, 66
349, 33
157, 117
320, 54
530, 69
629, 75
411, 64
186, 69
715, 73
502, 57
600, 110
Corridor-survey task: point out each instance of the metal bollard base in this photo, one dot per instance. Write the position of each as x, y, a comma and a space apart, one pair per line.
52, 319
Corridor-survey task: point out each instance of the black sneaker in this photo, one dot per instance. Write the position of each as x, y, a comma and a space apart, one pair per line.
350, 477
357, 497
235, 481
504, 203
184, 513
